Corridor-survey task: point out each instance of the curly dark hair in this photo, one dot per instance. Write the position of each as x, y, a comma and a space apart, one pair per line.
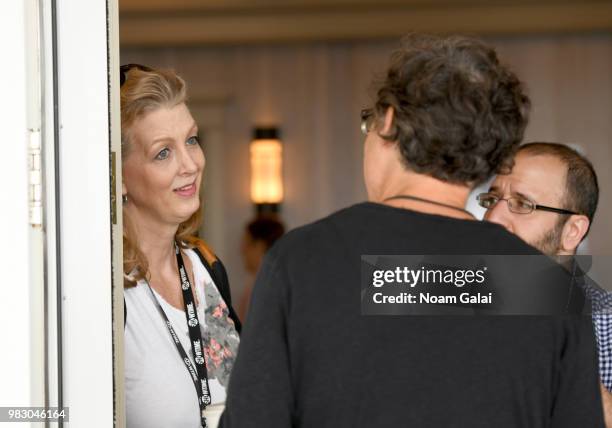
459, 115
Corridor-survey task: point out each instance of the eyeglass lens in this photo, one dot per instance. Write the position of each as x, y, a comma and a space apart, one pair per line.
516, 205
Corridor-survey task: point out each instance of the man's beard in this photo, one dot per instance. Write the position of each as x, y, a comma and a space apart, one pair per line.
550, 242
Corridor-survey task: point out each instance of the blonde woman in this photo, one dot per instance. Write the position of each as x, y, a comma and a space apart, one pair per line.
181, 332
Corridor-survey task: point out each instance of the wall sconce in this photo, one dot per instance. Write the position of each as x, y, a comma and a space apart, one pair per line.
266, 170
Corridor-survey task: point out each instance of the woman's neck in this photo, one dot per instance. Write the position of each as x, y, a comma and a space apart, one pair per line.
159, 252
156, 241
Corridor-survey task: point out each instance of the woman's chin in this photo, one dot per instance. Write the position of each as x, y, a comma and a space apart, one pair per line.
187, 217
185, 214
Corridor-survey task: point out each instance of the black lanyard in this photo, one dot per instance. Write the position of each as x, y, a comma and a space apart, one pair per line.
199, 375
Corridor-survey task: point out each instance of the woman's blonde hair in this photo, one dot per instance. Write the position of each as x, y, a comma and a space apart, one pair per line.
141, 93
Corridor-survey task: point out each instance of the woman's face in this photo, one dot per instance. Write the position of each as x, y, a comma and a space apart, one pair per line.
162, 170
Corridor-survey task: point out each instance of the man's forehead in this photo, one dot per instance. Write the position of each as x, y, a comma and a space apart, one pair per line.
535, 176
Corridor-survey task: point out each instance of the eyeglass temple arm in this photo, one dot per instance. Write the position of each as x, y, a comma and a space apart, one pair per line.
554, 210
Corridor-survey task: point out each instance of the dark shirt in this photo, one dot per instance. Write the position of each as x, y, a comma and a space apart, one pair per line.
308, 357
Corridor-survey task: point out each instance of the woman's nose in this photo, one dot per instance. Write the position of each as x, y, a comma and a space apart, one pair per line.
189, 164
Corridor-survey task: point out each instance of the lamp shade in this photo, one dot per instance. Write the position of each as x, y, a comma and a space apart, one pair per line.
266, 167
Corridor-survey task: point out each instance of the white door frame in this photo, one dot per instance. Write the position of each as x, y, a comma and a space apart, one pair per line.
60, 119
86, 32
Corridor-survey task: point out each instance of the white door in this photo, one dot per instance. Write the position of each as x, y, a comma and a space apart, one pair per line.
60, 80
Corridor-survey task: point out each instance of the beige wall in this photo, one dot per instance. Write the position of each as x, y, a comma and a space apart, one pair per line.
314, 93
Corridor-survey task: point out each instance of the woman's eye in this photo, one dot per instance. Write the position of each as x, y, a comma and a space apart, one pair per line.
193, 141
163, 154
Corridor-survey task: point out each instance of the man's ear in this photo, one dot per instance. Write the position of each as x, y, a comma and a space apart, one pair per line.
573, 231
388, 121
123, 188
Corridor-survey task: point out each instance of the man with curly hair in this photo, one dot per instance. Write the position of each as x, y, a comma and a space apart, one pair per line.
447, 116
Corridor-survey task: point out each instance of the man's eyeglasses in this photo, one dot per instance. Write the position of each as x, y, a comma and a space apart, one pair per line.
124, 69
367, 119
517, 205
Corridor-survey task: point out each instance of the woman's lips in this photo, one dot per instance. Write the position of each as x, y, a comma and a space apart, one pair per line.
186, 191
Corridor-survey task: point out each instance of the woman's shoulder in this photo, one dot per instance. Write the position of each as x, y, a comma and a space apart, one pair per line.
209, 261
135, 288
217, 272
201, 248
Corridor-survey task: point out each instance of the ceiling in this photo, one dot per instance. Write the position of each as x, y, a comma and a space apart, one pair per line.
218, 22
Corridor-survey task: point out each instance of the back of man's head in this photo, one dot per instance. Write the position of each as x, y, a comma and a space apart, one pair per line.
581, 193
459, 114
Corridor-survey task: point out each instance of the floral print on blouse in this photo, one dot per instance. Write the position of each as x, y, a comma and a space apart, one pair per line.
219, 335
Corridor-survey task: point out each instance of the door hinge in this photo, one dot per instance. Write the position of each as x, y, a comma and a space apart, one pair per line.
35, 178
